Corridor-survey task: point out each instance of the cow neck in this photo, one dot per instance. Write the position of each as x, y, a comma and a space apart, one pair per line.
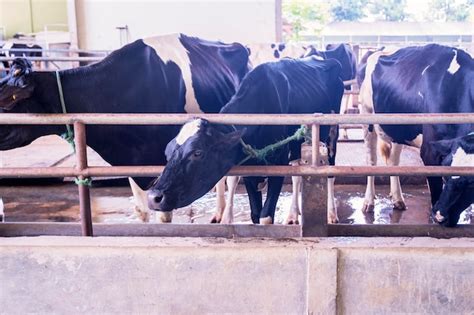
69, 135
260, 154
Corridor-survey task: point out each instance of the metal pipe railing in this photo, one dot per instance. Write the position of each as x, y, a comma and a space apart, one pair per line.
57, 58
83, 171
247, 119
352, 171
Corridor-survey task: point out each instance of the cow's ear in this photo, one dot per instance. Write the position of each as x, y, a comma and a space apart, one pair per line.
16, 86
442, 147
232, 139
170, 148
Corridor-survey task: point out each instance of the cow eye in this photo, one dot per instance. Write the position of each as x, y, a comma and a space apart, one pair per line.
196, 154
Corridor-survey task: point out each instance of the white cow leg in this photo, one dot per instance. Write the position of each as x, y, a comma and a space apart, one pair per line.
344, 109
228, 215
295, 203
370, 142
140, 202
395, 187
2, 210
220, 202
332, 210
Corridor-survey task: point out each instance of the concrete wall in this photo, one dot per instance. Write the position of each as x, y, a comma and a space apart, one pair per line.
194, 276
28, 16
227, 20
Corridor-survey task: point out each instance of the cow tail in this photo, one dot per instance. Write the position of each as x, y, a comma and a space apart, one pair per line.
385, 149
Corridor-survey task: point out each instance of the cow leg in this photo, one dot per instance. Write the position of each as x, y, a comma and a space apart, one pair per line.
295, 204
255, 197
228, 215
370, 142
344, 110
332, 210
274, 188
141, 205
220, 202
2, 212
395, 187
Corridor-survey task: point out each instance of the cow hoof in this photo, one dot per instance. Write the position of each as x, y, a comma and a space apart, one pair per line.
143, 215
332, 219
291, 219
266, 221
216, 219
399, 205
439, 217
366, 208
165, 217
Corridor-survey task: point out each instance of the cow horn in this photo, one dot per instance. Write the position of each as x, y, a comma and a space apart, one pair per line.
17, 72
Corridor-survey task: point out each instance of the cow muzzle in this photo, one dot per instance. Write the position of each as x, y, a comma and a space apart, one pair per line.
155, 197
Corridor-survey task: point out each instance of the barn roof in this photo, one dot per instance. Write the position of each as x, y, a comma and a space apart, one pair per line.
384, 28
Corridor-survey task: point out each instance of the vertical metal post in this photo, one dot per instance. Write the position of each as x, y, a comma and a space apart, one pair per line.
314, 189
314, 144
84, 193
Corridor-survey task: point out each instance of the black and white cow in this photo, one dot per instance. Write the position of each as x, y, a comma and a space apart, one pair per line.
18, 50
344, 55
428, 79
266, 52
202, 153
164, 74
458, 191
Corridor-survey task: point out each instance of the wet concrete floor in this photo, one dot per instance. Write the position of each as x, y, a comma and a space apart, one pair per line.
59, 203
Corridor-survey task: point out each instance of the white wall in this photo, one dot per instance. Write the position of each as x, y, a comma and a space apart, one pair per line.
227, 20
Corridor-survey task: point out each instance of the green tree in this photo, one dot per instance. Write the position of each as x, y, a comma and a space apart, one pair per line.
449, 10
389, 10
304, 17
348, 10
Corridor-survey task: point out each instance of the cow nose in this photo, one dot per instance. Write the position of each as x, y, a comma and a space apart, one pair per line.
154, 199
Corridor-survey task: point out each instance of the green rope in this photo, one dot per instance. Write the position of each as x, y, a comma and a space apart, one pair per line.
84, 182
69, 134
260, 154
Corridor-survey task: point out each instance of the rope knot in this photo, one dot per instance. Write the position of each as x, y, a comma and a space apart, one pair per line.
84, 182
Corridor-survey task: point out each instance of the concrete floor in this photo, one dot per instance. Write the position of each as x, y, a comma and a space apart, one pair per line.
59, 203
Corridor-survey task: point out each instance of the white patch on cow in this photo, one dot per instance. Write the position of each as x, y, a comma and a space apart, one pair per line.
421, 95
424, 70
461, 158
7, 45
169, 48
417, 141
454, 66
264, 52
188, 130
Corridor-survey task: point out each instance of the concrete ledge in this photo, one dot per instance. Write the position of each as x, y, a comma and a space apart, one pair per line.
68, 275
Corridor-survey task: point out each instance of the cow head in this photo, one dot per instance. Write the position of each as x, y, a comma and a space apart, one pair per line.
198, 158
458, 191
17, 95
17, 85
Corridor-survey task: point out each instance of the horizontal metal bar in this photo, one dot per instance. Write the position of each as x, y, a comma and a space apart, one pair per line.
151, 171
151, 229
104, 52
247, 119
231, 231
396, 230
56, 58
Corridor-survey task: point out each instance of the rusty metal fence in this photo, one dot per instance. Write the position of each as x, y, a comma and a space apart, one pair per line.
314, 189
